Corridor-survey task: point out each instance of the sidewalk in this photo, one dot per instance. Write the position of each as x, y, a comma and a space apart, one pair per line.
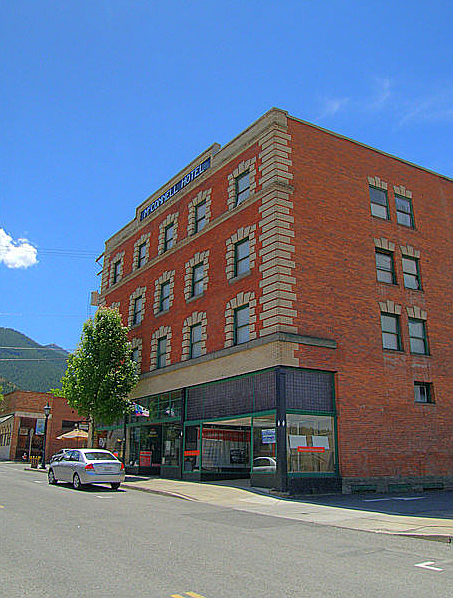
346, 512
431, 518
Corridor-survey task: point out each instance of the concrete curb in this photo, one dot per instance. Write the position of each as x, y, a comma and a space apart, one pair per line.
161, 492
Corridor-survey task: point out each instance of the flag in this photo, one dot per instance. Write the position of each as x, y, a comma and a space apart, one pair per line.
140, 411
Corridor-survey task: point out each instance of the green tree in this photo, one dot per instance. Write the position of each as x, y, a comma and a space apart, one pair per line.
101, 372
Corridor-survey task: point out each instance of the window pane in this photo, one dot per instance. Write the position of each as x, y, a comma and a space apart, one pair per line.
379, 211
196, 333
383, 261
405, 219
198, 279
409, 265
264, 443
169, 237
402, 205
390, 341
242, 249
418, 345
389, 323
165, 296
411, 282
384, 276
378, 196
416, 329
242, 316
242, 335
243, 182
422, 392
161, 352
310, 443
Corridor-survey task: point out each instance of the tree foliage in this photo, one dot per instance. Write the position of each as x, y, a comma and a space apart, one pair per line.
101, 372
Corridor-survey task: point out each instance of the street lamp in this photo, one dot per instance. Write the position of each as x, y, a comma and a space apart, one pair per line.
46, 413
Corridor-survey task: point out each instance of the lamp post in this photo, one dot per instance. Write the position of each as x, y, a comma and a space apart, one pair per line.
46, 414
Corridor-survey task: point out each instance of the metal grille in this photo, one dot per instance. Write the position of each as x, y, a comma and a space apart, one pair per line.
234, 396
309, 390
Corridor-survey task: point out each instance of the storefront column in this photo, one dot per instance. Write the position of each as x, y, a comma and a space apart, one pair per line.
281, 429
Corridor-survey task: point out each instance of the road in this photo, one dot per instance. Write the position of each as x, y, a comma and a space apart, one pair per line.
58, 542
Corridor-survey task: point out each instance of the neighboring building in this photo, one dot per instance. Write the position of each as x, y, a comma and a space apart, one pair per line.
290, 303
22, 424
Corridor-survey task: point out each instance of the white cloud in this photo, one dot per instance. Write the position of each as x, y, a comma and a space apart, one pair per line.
16, 254
435, 108
381, 96
333, 105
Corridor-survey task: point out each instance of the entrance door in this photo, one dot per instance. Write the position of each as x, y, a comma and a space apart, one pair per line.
150, 449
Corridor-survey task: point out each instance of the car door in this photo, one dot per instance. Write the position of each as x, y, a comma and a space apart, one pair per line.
65, 467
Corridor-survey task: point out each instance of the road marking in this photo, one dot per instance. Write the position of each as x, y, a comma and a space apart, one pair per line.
191, 594
428, 565
2, 507
409, 498
376, 499
99, 496
37, 481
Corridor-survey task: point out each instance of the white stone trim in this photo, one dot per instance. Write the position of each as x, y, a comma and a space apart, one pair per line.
417, 312
168, 276
384, 244
409, 251
143, 239
197, 200
390, 307
247, 232
242, 167
375, 181
170, 219
402, 191
115, 305
138, 291
197, 317
160, 333
119, 257
238, 301
198, 258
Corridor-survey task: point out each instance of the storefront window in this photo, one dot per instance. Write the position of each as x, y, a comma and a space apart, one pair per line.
310, 443
264, 444
225, 449
192, 449
171, 445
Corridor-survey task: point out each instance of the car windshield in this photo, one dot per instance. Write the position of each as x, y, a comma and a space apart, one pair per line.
98, 456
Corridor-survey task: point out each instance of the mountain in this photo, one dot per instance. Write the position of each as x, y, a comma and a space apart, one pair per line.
28, 365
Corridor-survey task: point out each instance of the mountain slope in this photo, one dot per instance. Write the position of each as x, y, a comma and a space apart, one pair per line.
27, 364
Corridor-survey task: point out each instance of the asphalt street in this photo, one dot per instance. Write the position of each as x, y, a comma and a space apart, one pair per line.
58, 542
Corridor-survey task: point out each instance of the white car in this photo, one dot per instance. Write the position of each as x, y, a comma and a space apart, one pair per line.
264, 464
87, 466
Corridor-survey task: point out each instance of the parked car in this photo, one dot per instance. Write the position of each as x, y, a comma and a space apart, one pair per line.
264, 464
59, 454
87, 466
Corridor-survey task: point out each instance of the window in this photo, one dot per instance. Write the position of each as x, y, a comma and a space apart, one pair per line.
200, 216
417, 336
141, 256
161, 360
404, 214
391, 338
195, 341
411, 273
310, 443
241, 325
241, 257
242, 187
169, 237
116, 271
138, 310
385, 270
422, 391
379, 203
134, 355
165, 296
197, 280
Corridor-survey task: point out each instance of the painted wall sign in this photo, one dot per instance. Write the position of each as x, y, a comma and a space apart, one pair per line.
191, 453
192, 175
310, 449
145, 459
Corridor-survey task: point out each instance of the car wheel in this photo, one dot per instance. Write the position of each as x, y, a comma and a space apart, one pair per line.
115, 485
51, 477
76, 483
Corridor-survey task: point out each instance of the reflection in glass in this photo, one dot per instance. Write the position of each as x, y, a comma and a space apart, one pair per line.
310, 443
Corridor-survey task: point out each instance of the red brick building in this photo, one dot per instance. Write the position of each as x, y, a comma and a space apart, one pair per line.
22, 424
290, 303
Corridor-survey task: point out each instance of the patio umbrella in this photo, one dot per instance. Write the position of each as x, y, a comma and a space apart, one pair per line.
77, 433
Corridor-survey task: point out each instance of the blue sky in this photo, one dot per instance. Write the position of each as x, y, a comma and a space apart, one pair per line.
102, 102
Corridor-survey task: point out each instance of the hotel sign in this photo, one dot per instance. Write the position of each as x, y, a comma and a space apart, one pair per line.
192, 175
